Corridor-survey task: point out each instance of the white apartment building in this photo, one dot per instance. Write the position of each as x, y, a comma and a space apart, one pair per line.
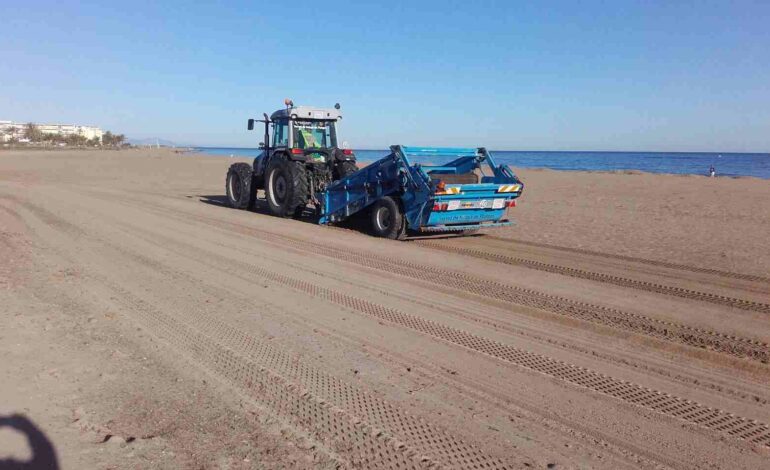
10, 129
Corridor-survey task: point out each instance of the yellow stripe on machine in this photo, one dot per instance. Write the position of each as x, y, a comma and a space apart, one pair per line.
509, 188
454, 190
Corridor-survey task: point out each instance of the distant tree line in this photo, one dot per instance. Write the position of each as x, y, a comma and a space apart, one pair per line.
115, 140
35, 135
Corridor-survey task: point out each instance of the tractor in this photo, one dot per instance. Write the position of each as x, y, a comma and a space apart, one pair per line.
296, 166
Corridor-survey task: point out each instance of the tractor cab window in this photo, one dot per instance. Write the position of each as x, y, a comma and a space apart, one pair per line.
280, 133
314, 134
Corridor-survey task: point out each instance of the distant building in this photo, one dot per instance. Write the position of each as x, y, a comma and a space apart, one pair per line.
10, 129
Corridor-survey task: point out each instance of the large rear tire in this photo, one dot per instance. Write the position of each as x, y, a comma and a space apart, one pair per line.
286, 187
387, 219
240, 188
343, 169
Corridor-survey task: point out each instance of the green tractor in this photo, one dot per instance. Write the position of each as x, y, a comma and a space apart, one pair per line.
300, 161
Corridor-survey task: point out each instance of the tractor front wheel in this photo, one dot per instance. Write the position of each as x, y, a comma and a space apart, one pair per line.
240, 188
286, 188
387, 219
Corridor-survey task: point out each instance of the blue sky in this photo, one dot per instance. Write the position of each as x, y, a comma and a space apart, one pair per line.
558, 75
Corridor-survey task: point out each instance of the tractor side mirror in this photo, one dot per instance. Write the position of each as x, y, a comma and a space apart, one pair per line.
251, 125
261, 145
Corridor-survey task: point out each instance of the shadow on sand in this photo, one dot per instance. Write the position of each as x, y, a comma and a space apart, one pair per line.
213, 200
358, 223
43, 452
260, 207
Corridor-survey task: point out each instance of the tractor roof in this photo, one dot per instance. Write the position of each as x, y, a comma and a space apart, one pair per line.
306, 112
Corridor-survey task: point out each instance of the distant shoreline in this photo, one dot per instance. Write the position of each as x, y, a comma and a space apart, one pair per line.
743, 165
638, 152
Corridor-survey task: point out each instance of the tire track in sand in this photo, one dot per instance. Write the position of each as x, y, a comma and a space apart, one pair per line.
646, 286
622, 449
710, 418
662, 264
664, 403
225, 266
369, 431
455, 283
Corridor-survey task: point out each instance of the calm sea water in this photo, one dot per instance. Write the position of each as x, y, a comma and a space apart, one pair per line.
726, 164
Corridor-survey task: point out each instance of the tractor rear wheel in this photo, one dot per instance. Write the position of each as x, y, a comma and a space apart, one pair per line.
343, 169
240, 188
286, 188
387, 219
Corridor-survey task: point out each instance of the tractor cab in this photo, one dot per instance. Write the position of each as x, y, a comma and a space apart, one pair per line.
304, 127
304, 133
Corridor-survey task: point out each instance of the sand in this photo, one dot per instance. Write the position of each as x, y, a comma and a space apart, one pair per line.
719, 223
622, 323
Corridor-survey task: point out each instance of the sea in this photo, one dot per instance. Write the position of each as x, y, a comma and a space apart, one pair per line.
682, 163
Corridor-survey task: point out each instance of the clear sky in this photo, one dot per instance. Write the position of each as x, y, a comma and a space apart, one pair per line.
554, 75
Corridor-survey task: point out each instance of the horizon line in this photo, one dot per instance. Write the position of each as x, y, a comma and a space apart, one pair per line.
528, 150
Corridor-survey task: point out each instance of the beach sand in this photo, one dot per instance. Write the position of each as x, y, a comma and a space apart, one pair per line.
622, 323
718, 223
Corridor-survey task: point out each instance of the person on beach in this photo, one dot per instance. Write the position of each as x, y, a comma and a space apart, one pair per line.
712, 171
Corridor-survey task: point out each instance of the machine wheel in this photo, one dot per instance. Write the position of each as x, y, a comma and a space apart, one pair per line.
387, 219
343, 169
241, 191
286, 187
